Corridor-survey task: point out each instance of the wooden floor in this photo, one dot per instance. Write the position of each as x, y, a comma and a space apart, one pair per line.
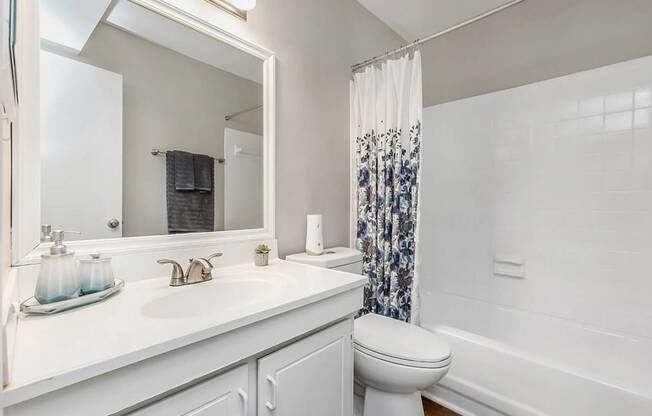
433, 409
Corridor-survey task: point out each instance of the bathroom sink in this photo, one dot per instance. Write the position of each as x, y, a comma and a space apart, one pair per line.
222, 295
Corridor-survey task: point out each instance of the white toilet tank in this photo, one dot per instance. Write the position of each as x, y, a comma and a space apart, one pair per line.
339, 258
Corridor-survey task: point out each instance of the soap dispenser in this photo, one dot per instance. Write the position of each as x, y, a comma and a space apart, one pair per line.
58, 278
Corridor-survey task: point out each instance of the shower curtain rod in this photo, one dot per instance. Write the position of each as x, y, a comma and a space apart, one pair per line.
247, 110
418, 42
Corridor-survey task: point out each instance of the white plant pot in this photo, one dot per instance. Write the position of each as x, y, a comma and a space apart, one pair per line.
261, 259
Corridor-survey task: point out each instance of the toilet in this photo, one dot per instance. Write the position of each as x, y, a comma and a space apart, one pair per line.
339, 258
393, 360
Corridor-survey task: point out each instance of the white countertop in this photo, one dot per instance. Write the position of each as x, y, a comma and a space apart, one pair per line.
148, 318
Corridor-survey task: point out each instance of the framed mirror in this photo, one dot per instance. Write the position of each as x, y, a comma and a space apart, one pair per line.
156, 130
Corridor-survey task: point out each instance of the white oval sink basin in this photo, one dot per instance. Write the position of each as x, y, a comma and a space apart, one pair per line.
221, 295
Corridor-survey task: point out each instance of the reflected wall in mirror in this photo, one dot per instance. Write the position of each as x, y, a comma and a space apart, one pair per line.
148, 127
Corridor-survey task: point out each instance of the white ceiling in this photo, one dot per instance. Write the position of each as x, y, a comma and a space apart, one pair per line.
69, 23
172, 35
415, 19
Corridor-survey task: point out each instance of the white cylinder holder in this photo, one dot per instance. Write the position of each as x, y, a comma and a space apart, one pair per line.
314, 235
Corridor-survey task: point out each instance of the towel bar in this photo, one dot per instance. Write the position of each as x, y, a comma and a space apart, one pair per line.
156, 152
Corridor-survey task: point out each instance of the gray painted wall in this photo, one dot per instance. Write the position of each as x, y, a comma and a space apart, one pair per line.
315, 42
533, 41
170, 102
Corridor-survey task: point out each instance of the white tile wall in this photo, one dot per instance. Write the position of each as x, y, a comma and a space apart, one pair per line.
559, 173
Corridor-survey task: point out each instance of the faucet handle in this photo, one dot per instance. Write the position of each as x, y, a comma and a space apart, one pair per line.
177, 277
213, 256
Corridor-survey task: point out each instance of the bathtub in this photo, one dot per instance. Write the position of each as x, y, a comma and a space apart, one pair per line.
489, 378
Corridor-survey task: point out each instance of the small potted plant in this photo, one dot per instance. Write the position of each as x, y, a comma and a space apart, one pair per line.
262, 255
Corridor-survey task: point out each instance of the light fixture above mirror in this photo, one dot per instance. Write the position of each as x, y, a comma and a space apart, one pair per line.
238, 8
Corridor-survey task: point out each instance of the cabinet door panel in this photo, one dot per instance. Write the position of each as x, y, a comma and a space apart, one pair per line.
313, 376
223, 395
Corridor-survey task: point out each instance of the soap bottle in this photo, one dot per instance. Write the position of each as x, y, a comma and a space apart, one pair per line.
58, 278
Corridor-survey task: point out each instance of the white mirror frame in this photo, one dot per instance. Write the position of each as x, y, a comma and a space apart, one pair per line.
26, 217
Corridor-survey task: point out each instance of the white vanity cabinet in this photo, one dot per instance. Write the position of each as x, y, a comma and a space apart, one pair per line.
292, 356
223, 395
313, 376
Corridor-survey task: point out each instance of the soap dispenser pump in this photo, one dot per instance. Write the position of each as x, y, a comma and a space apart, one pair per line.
58, 277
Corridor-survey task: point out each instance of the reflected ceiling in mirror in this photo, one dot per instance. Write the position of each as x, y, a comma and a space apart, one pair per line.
148, 127
238, 8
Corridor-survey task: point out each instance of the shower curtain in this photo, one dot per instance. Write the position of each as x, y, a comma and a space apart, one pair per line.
386, 114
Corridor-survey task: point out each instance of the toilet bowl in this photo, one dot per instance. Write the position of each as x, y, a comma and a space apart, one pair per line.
395, 361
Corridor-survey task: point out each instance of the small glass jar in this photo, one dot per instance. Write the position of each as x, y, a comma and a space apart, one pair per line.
96, 274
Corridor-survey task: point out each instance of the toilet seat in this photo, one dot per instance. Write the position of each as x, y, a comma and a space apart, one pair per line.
399, 361
399, 343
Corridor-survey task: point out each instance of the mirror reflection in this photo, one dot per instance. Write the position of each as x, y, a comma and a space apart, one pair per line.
147, 126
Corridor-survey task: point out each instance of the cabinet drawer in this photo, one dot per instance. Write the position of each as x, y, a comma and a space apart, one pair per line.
223, 395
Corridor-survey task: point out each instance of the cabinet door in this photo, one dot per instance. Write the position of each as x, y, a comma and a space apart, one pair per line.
223, 395
313, 376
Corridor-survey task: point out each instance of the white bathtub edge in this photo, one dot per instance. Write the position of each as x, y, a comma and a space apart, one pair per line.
465, 393
469, 399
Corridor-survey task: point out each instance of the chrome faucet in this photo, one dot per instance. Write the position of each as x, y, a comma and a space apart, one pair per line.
199, 270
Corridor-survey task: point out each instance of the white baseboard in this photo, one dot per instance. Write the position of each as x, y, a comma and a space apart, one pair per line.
457, 403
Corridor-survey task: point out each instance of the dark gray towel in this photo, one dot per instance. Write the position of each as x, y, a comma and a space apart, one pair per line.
204, 166
188, 211
184, 170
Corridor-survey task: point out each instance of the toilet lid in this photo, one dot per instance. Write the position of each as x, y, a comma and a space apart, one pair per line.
399, 340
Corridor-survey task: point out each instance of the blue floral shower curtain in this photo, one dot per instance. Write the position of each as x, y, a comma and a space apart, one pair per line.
386, 114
